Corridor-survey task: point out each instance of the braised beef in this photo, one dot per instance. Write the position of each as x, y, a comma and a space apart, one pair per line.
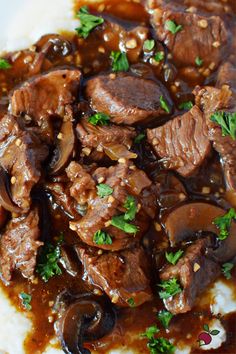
19, 244
182, 143
194, 271
22, 153
115, 97
121, 275
200, 36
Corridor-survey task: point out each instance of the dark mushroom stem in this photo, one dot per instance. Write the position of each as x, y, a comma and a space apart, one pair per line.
5, 199
86, 319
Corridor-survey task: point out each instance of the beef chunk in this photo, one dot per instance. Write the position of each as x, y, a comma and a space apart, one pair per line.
22, 153
195, 271
127, 99
125, 180
182, 143
212, 6
95, 137
121, 275
46, 95
227, 76
18, 246
193, 40
211, 100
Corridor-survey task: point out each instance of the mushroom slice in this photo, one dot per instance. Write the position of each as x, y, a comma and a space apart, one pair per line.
185, 221
66, 142
5, 200
85, 320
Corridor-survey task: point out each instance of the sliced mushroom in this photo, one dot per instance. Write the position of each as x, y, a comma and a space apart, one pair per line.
66, 142
86, 319
5, 199
185, 221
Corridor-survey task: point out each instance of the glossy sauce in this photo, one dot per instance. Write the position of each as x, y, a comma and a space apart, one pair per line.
132, 321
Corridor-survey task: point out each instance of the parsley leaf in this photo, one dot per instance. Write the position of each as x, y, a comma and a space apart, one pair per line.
47, 265
119, 61
4, 64
186, 105
157, 345
104, 190
226, 269
131, 302
99, 118
164, 317
102, 238
174, 257
172, 27
130, 205
149, 44
26, 299
87, 22
150, 331
223, 223
227, 121
120, 223
139, 138
170, 288
164, 104
198, 61
159, 56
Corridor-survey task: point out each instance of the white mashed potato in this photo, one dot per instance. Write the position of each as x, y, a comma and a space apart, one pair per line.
23, 22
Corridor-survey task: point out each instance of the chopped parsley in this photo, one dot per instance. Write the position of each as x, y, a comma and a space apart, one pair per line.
4, 64
26, 300
131, 302
164, 104
227, 122
223, 223
165, 317
174, 257
159, 56
170, 288
99, 118
172, 27
130, 205
104, 190
47, 266
149, 44
157, 345
120, 223
87, 22
226, 270
102, 238
139, 138
119, 61
186, 105
198, 61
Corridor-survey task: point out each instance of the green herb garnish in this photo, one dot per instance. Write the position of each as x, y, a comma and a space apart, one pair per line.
87, 22
119, 61
227, 122
170, 288
165, 317
150, 332
172, 27
104, 190
157, 345
26, 300
198, 61
159, 56
164, 104
47, 266
223, 223
226, 269
99, 118
174, 257
120, 223
131, 302
102, 238
186, 105
130, 205
4, 64
149, 44
139, 138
